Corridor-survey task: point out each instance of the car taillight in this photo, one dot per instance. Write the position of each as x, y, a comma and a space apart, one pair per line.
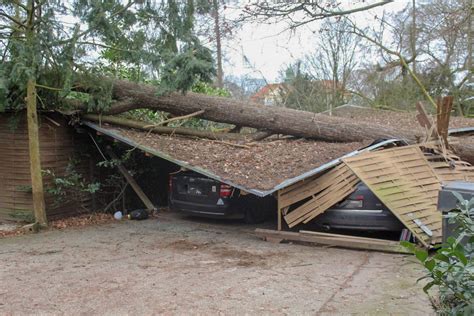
170, 183
225, 191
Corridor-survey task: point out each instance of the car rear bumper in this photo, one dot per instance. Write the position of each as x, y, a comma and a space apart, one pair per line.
206, 210
367, 220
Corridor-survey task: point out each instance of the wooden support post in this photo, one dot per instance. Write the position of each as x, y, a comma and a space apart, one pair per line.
149, 205
35, 159
279, 211
423, 117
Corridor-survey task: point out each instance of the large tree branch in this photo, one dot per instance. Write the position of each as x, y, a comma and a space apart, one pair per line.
120, 121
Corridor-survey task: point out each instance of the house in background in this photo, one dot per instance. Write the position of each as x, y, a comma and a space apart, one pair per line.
270, 94
321, 91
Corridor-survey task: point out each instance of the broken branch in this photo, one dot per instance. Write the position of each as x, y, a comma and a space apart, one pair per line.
177, 118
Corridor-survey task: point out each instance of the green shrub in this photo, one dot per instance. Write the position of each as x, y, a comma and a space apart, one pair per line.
70, 186
451, 268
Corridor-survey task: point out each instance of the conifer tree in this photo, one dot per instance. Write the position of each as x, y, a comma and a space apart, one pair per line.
50, 48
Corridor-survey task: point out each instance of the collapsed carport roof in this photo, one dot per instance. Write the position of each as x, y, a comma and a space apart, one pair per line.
263, 168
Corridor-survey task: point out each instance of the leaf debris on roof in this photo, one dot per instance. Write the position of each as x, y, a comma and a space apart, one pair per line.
262, 166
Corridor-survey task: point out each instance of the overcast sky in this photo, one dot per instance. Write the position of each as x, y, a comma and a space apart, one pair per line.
269, 48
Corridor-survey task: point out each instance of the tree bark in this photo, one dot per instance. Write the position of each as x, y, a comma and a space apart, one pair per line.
32, 123
34, 151
217, 33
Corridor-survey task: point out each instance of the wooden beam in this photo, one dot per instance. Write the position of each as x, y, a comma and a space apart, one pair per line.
279, 210
149, 205
351, 242
423, 117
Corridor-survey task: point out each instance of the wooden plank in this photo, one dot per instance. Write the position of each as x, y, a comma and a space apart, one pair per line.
317, 209
330, 192
328, 204
279, 210
149, 205
422, 116
320, 207
340, 241
316, 185
346, 237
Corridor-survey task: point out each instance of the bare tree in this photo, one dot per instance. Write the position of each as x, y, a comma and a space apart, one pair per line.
217, 29
437, 43
298, 13
334, 59
217, 33
444, 31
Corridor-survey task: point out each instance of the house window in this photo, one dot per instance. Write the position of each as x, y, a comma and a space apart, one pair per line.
268, 101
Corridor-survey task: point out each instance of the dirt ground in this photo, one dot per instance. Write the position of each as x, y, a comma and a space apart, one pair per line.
173, 265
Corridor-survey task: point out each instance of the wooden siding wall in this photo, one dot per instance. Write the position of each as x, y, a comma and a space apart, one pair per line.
58, 145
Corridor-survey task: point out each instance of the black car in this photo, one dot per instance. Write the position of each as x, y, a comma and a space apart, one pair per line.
198, 195
362, 210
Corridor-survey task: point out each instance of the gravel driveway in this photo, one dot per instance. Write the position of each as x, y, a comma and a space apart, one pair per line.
172, 265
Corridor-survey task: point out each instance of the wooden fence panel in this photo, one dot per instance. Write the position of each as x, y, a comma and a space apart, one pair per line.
404, 181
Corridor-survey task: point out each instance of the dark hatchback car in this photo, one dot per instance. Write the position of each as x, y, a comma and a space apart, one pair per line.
199, 195
195, 194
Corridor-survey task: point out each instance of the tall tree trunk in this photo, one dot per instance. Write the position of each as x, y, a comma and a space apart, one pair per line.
217, 33
32, 122
35, 159
413, 36
470, 37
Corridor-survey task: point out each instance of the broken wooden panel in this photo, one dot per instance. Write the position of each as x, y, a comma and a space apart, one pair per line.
308, 187
323, 192
404, 181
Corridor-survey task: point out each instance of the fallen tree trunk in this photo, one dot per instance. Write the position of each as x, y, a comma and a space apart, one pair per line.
278, 120
173, 130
